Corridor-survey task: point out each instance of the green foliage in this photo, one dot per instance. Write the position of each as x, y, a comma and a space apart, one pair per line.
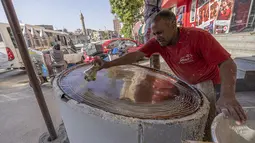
105, 35
129, 12
126, 30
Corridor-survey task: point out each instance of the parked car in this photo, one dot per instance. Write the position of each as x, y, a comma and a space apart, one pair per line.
9, 57
103, 49
129, 44
78, 47
71, 56
44, 60
5, 60
91, 50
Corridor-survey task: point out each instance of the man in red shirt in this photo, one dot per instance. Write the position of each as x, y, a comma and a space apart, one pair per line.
194, 56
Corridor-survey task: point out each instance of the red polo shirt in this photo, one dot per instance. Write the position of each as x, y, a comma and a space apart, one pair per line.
195, 57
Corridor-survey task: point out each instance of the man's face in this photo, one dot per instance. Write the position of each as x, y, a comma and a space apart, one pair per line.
163, 30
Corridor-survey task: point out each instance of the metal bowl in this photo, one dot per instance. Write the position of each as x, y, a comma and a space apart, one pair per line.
131, 91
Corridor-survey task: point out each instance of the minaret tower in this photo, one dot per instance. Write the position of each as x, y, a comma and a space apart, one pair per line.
83, 25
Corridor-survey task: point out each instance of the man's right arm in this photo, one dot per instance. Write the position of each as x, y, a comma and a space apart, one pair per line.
147, 50
124, 60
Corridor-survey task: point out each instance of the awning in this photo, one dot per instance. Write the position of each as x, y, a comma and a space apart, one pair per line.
169, 3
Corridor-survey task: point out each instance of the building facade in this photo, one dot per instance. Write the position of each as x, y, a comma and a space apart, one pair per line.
48, 27
112, 34
77, 38
116, 25
215, 16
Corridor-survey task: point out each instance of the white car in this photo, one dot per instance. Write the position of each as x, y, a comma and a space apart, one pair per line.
5, 60
71, 56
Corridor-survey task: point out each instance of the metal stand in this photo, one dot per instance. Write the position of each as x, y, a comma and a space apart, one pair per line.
14, 24
62, 136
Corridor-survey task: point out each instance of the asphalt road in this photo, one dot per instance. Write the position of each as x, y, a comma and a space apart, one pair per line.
20, 117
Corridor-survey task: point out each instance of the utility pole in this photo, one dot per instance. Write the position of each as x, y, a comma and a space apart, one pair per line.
15, 26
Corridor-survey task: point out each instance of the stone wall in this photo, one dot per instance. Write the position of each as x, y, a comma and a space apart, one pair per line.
238, 44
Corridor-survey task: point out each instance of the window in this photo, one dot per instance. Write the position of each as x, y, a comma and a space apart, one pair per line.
37, 39
114, 44
71, 51
65, 43
29, 44
127, 43
44, 38
27, 38
130, 43
49, 34
65, 51
45, 42
58, 38
62, 40
99, 48
1, 39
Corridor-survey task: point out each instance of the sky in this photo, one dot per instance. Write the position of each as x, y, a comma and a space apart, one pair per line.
63, 13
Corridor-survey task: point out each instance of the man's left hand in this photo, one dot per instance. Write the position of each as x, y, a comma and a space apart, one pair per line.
230, 107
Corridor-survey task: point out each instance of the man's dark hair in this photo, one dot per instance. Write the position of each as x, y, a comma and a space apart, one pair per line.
165, 14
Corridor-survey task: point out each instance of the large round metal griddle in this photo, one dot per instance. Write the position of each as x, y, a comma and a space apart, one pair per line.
132, 91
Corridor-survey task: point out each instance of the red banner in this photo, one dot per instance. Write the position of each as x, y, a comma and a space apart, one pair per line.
241, 10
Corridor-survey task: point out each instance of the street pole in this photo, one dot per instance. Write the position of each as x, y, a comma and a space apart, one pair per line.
14, 24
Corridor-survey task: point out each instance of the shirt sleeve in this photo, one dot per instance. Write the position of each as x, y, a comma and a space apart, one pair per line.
211, 50
150, 48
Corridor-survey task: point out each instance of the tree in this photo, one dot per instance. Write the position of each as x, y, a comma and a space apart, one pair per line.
129, 12
65, 30
126, 30
78, 31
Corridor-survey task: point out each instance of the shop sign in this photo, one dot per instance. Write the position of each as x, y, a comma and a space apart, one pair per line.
193, 11
241, 14
180, 15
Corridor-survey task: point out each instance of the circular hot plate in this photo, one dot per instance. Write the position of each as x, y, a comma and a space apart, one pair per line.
133, 91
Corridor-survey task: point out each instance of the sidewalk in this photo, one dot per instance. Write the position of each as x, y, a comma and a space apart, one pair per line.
21, 120
246, 99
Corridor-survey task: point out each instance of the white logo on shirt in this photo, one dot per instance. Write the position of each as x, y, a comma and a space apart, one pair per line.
186, 59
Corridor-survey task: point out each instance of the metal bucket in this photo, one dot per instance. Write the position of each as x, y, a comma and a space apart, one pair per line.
227, 131
119, 107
